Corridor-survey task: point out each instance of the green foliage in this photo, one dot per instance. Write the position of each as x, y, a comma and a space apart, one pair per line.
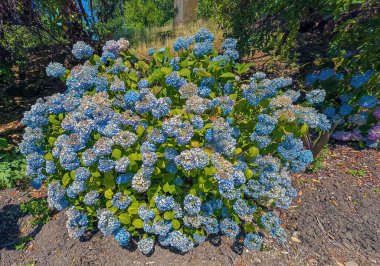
12, 168
277, 25
39, 210
355, 172
147, 13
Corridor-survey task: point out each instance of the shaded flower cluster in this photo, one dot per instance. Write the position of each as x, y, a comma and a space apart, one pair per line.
353, 113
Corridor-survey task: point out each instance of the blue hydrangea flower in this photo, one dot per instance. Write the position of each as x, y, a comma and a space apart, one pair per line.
175, 80
311, 79
105, 165
50, 167
76, 222
145, 214
229, 227
367, 101
82, 174
107, 223
195, 158
266, 124
345, 110
81, 50
170, 153
91, 197
253, 241
175, 63
56, 196
179, 241
316, 96
164, 203
199, 238
202, 48
290, 148
204, 35
124, 178
182, 43
146, 245
121, 201
330, 112
232, 54
122, 237
197, 122
143, 84
192, 204
229, 43
326, 73
117, 85
151, 51
358, 80
55, 70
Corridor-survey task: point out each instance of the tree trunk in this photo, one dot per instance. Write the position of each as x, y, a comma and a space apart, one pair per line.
185, 11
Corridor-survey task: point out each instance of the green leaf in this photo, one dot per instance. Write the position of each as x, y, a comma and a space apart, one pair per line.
3, 143
237, 151
176, 224
108, 194
133, 75
134, 157
140, 130
184, 72
203, 73
133, 209
169, 215
125, 218
48, 156
253, 152
116, 153
304, 129
138, 223
109, 180
248, 174
166, 187
228, 75
166, 70
53, 120
66, 179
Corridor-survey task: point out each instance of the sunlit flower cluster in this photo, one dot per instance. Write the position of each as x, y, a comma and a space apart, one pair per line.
172, 153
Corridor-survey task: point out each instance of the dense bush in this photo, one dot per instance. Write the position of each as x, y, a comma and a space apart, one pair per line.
171, 149
352, 105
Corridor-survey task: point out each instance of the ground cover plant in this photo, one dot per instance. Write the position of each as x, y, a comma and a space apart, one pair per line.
172, 149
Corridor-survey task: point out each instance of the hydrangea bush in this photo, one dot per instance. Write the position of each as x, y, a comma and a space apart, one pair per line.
352, 105
169, 150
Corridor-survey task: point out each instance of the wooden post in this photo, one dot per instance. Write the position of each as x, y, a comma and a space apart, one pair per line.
185, 11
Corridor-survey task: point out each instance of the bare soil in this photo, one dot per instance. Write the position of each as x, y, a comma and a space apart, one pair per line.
334, 220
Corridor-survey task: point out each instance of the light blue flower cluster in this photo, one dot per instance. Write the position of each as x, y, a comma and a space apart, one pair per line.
77, 222
172, 153
82, 50
55, 70
316, 96
182, 43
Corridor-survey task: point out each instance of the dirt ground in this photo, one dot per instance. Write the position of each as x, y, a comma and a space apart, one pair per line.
334, 220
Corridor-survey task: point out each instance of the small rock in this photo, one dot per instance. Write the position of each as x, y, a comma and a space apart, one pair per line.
351, 263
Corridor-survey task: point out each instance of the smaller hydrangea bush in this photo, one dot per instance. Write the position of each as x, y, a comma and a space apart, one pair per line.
351, 103
169, 150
